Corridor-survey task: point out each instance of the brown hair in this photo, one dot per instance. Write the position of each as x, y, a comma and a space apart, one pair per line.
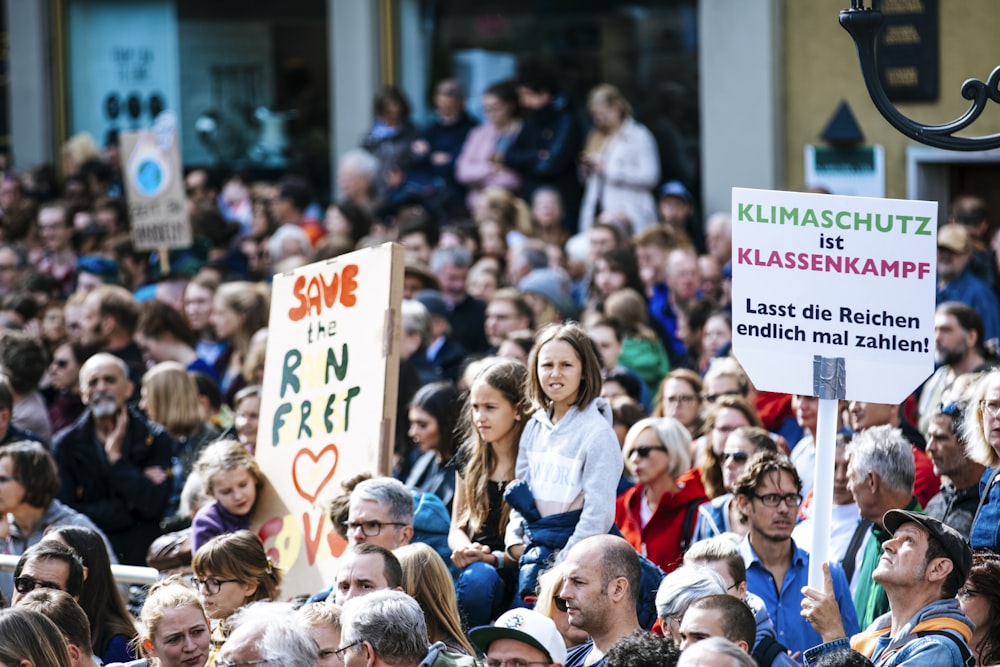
239, 556
573, 335
711, 466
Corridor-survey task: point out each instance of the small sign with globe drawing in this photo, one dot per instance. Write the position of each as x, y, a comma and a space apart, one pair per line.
155, 186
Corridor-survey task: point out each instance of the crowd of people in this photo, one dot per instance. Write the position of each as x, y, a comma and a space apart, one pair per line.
582, 472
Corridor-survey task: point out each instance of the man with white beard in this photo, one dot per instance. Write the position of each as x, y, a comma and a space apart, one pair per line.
113, 462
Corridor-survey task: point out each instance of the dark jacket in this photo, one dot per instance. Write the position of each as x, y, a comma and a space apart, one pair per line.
545, 153
122, 501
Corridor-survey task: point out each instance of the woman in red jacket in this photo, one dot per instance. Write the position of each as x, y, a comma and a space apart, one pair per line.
658, 515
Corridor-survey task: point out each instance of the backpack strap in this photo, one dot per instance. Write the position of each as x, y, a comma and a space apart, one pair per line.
766, 650
851, 555
963, 648
690, 522
986, 492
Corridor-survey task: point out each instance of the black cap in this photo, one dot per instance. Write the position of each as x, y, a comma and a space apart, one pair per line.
956, 546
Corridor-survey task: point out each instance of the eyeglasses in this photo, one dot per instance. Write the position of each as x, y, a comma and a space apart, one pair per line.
711, 398
559, 603
343, 649
990, 408
221, 662
677, 400
514, 662
211, 586
370, 528
965, 593
644, 451
775, 499
26, 584
6, 478
739, 457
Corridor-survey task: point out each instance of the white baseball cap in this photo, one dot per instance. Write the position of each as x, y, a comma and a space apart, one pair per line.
523, 625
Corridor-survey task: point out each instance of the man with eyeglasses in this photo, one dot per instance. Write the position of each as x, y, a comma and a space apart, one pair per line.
520, 638
387, 629
380, 512
768, 493
48, 564
923, 565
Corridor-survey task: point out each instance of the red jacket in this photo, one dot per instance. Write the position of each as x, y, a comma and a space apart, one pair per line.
665, 536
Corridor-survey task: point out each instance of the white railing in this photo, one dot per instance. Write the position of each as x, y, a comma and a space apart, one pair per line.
124, 574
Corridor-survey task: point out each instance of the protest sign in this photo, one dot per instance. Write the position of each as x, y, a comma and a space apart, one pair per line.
833, 296
846, 278
328, 403
155, 186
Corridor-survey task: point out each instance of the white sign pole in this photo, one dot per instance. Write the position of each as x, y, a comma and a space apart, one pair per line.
826, 442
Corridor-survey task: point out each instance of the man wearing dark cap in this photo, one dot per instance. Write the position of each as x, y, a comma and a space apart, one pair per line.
676, 206
921, 569
440, 358
520, 636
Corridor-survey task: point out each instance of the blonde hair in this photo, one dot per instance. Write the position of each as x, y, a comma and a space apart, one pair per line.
672, 435
239, 556
509, 211
320, 614
171, 396
223, 456
251, 302
977, 446
427, 580
163, 596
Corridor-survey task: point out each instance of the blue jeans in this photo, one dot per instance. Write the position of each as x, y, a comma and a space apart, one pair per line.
481, 593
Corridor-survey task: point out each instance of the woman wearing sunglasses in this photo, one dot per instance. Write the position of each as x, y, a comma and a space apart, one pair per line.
658, 515
231, 571
721, 515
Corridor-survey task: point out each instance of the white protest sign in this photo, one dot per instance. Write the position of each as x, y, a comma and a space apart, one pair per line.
155, 186
846, 278
328, 403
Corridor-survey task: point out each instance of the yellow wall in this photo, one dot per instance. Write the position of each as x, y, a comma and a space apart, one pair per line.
821, 69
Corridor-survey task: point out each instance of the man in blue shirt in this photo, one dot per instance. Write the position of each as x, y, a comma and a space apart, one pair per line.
956, 282
768, 494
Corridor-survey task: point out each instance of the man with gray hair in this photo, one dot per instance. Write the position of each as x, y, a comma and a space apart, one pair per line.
880, 472
380, 512
383, 629
113, 461
465, 313
678, 590
356, 173
268, 632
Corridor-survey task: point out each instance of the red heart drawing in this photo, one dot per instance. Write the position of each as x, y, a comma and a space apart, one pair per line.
316, 471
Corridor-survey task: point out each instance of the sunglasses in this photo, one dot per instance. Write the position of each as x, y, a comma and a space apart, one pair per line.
559, 603
739, 457
643, 452
25, 585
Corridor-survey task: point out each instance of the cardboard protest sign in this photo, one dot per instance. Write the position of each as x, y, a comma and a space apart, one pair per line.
845, 278
328, 404
155, 186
